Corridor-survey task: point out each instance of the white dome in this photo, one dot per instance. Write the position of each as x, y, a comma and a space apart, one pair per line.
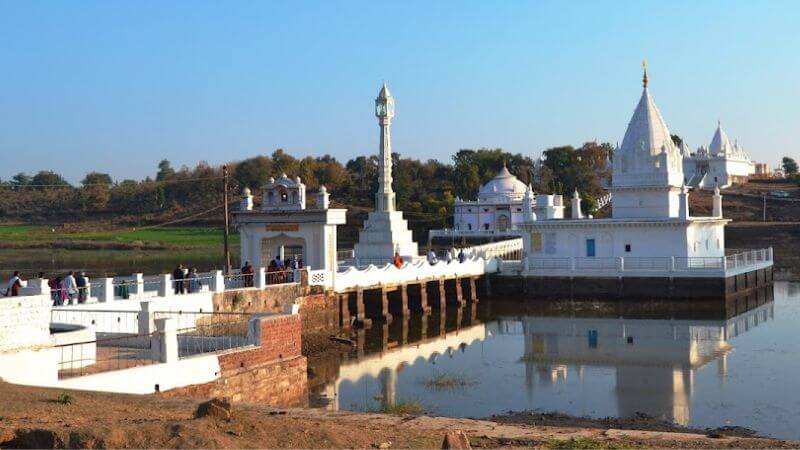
720, 144
503, 184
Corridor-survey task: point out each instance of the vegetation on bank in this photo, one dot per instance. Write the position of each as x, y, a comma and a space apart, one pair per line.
189, 238
426, 190
444, 381
402, 408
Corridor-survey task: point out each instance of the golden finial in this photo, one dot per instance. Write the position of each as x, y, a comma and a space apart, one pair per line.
644, 77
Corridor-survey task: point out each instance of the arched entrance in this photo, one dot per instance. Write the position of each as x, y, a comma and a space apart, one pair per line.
503, 223
284, 246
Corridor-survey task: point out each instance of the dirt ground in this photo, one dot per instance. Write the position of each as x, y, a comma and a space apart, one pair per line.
35, 418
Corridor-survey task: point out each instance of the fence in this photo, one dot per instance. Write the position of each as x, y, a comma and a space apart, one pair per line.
103, 321
104, 355
666, 266
199, 333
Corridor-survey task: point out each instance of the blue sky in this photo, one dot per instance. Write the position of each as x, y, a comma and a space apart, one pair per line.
116, 86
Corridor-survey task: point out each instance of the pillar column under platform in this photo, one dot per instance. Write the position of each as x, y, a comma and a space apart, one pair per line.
442, 295
385, 336
387, 316
361, 314
459, 316
344, 310
423, 298
404, 310
459, 292
442, 320
473, 289
423, 331
404, 331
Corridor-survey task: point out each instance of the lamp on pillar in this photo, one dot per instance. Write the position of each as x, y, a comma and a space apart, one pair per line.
683, 202
716, 204
576, 205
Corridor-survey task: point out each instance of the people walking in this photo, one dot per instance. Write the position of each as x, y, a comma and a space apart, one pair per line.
461, 256
83, 287
14, 285
177, 276
432, 259
61, 294
70, 287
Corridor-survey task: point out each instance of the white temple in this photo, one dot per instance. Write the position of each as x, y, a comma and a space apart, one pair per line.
720, 164
386, 231
650, 206
498, 208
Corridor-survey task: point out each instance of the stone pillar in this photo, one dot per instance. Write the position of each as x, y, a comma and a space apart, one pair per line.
344, 310
361, 314
166, 285
423, 298
260, 276
442, 321
404, 311
164, 343
108, 290
459, 316
145, 317
459, 292
138, 284
361, 340
473, 289
404, 331
385, 336
442, 295
716, 203
217, 282
387, 316
424, 327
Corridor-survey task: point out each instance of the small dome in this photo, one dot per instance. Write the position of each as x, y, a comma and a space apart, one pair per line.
246, 192
323, 189
504, 184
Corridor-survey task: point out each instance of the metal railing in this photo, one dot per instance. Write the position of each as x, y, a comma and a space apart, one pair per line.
102, 321
200, 333
103, 355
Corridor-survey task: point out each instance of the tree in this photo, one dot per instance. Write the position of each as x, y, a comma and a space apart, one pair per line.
677, 140
253, 172
165, 171
96, 191
48, 179
789, 166
21, 179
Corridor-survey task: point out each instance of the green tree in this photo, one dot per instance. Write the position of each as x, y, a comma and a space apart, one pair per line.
253, 172
789, 166
97, 178
165, 171
49, 179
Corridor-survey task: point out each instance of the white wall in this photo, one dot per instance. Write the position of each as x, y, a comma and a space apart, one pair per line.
143, 379
643, 203
24, 322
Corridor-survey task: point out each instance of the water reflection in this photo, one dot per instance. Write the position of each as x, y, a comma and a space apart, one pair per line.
564, 358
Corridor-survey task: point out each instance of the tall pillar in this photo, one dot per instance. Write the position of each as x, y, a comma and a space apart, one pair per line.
423, 333
404, 331
459, 316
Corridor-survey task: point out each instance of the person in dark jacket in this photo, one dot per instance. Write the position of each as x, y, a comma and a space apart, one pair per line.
177, 276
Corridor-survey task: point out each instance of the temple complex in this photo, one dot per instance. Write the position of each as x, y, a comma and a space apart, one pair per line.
721, 164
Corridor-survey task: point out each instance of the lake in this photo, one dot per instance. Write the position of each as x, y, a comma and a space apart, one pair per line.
696, 365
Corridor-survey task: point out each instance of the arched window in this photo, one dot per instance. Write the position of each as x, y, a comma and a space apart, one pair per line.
270, 197
294, 197
284, 196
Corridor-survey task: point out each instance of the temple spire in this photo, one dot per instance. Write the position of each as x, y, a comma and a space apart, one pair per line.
644, 76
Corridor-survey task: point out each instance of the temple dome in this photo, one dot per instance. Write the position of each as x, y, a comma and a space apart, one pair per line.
504, 184
647, 132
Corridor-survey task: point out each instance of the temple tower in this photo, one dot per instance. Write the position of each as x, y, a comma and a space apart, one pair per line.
385, 231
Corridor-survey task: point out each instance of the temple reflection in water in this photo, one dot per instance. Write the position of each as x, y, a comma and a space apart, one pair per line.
640, 365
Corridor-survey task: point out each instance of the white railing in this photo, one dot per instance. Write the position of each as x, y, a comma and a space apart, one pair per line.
643, 266
388, 274
510, 249
450, 232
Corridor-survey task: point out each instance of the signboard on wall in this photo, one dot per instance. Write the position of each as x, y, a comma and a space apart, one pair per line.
283, 227
536, 242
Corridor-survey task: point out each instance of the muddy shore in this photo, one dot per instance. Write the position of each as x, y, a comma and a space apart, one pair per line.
49, 418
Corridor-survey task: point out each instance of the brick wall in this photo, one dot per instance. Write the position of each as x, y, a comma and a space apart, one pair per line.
252, 300
274, 374
24, 322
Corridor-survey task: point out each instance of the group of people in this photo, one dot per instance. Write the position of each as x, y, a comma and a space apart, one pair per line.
282, 271
449, 256
69, 288
186, 280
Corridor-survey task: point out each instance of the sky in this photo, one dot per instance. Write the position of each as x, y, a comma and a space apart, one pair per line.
116, 86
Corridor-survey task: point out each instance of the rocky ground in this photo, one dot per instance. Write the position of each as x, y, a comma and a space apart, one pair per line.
49, 418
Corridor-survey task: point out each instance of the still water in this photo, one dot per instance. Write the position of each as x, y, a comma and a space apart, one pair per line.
706, 366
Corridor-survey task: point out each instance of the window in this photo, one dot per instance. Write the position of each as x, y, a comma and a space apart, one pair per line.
294, 197
270, 197
469, 209
469, 226
519, 209
486, 226
592, 338
284, 197
630, 340
627, 248
590, 248
485, 209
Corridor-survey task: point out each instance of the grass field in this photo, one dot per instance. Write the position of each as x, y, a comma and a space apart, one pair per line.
183, 237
